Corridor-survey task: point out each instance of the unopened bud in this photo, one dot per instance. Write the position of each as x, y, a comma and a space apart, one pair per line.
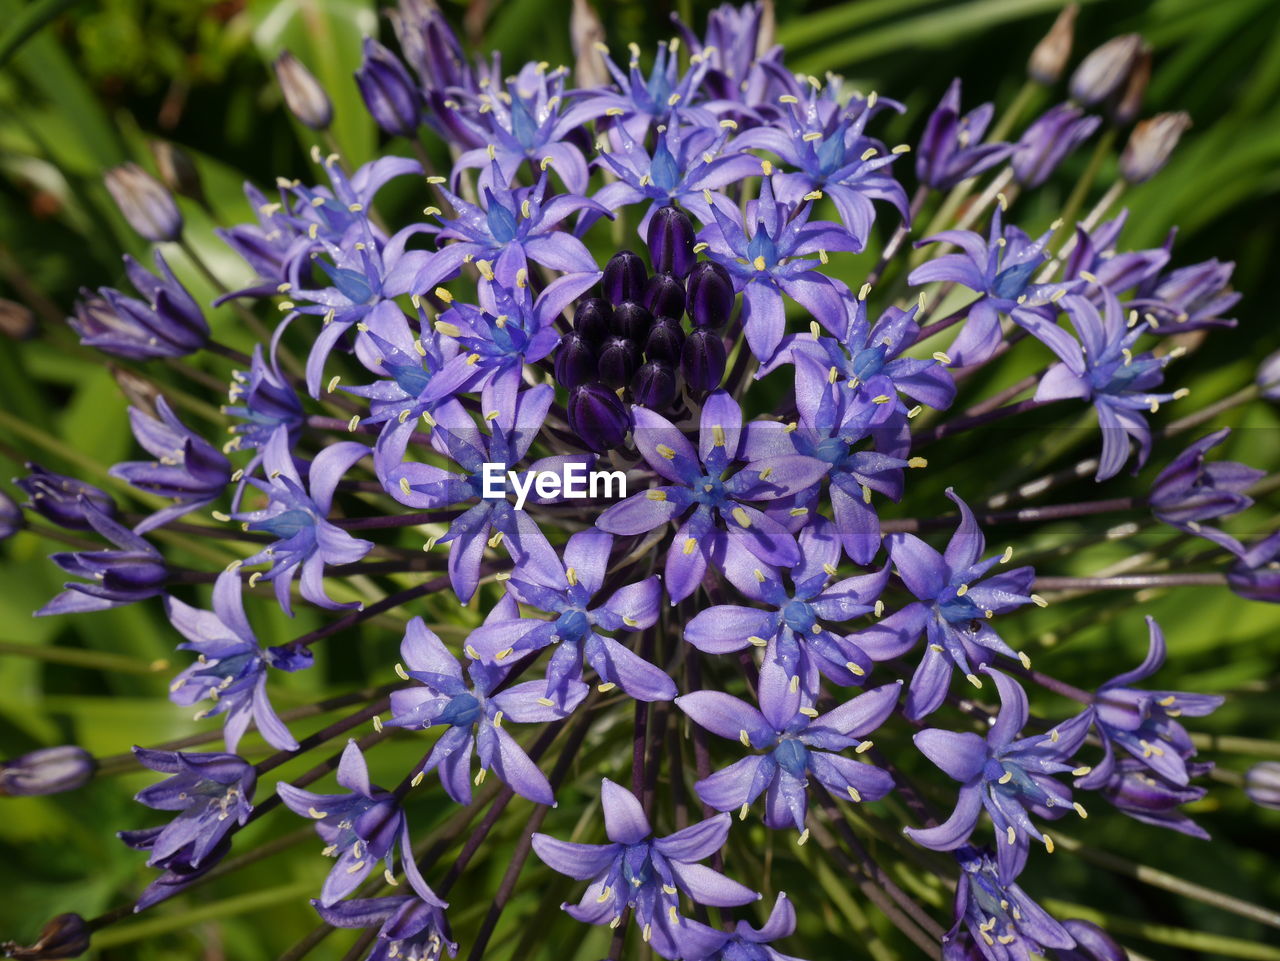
1268, 377
62, 499
619, 358
575, 360
632, 322
655, 385
671, 239
597, 416
1129, 105
10, 516
703, 359
146, 204
303, 94
624, 277
65, 936
177, 170
389, 92
50, 770
593, 319
1150, 144
665, 342
16, 320
1262, 784
1104, 71
1051, 54
664, 296
709, 295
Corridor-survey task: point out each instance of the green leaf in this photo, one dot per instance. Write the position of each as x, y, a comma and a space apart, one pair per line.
28, 23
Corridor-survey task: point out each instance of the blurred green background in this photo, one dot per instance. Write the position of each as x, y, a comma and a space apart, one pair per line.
105, 78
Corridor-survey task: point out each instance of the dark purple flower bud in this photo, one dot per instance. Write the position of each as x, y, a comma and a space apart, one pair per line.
709, 295
1150, 144
665, 341
389, 92
132, 572
1051, 54
624, 277
1268, 377
703, 359
65, 936
303, 94
631, 321
1044, 145
1105, 70
593, 319
598, 417
63, 499
1092, 944
10, 516
671, 238
655, 385
1257, 574
1146, 796
50, 770
664, 296
1262, 784
145, 203
177, 170
1190, 491
575, 360
619, 358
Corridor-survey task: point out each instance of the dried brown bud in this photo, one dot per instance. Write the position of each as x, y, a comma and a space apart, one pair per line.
1129, 105
177, 170
65, 936
1150, 144
303, 95
585, 31
16, 320
1051, 54
137, 390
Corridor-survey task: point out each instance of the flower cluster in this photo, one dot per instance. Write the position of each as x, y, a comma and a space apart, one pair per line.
761, 415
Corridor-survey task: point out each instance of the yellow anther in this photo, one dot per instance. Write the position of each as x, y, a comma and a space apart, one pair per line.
690, 545
741, 517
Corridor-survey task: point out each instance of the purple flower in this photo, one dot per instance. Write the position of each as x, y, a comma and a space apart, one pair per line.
1048, 140
737, 52
664, 98
566, 591
1102, 368
64, 500
1143, 723
1189, 298
828, 154
1256, 575
952, 607
747, 943
797, 742
525, 124
1094, 258
263, 401
389, 92
514, 424
1005, 924
213, 794
230, 667
474, 715
296, 514
167, 322
999, 269
360, 828
1092, 944
647, 874
701, 490
1189, 491
513, 227
132, 572
677, 172
46, 770
1012, 778
765, 252
791, 626
1145, 796
186, 468
951, 148
410, 929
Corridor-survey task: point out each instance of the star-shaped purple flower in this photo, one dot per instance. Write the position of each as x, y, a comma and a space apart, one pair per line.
409, 928
1190, 491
